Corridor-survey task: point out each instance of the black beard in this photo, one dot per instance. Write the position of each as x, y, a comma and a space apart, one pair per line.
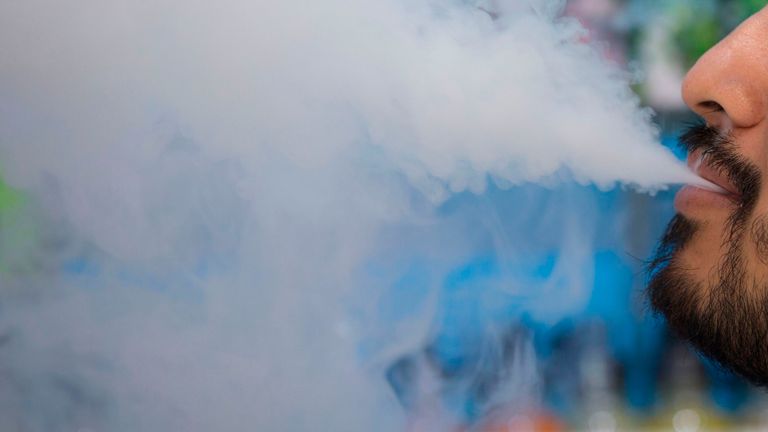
727, 321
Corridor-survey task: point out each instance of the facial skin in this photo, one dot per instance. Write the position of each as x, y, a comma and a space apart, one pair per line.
710, 275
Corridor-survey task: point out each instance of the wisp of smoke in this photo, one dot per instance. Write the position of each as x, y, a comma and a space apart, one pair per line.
224, 194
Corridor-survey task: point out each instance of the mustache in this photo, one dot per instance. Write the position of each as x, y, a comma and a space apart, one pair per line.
721, 153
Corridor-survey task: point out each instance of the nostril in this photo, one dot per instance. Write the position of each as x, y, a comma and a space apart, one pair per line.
711, 107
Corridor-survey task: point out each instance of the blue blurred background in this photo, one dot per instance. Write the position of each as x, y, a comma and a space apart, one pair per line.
606, 363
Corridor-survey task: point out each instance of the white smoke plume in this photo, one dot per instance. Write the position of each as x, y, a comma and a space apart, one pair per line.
212, 181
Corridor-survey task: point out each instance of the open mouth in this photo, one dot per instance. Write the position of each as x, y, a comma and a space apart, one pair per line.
698, 161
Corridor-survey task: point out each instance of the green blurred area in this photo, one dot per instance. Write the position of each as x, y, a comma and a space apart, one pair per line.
18, 233
695, 36
9, 198
700, 25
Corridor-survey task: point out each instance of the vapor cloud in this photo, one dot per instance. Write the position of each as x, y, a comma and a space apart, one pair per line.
211, 183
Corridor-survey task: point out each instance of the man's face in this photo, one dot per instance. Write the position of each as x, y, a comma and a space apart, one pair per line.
710, 276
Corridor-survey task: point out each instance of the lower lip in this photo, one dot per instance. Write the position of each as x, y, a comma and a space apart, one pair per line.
691, 199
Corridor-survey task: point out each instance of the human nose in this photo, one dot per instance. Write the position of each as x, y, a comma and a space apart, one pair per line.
728, 85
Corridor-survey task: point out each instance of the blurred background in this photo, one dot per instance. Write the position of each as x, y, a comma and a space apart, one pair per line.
610, 364
602, 362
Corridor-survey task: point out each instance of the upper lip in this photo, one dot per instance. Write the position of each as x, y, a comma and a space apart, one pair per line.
699, 163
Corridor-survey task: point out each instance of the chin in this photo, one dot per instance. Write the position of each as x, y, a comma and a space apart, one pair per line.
711, 294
